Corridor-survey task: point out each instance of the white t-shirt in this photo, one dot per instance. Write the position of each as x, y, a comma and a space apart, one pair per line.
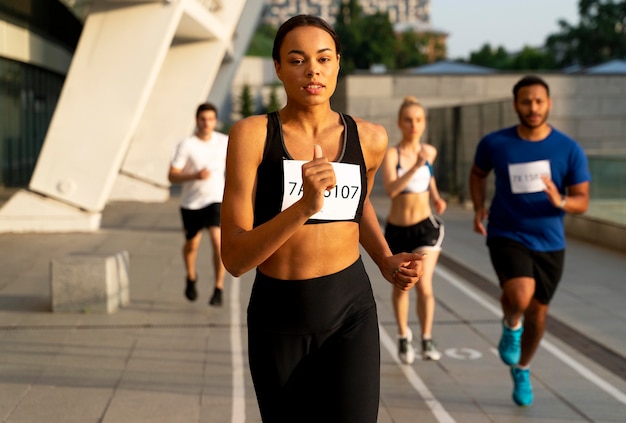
192, 155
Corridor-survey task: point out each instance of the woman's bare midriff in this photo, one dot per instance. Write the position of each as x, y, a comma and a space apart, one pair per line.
409, 209
315, 250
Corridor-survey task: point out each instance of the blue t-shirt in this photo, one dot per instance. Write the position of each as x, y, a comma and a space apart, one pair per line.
520, 210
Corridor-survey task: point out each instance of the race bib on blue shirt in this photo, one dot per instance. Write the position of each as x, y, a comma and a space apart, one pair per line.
526, 177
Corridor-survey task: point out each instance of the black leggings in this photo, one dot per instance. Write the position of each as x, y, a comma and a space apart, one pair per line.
314, 348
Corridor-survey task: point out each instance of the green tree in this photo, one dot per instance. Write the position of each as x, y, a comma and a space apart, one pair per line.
600, 35
273, 102
365, 39
262, 41
532, 59
409, 50
496, 58
380, 44
246, 102
349, 29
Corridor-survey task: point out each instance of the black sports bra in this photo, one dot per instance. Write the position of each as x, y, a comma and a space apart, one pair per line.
274, 191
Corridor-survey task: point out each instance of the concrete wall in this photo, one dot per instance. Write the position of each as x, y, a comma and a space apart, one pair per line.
590, 108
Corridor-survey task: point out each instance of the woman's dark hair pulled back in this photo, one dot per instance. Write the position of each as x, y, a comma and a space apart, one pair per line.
296, 22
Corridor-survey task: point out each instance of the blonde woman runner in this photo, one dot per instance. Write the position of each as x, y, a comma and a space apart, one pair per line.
411, 225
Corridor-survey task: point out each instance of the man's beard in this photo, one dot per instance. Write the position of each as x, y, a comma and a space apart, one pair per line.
527, 124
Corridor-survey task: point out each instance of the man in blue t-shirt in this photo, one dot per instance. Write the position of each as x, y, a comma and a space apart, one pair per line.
540, 174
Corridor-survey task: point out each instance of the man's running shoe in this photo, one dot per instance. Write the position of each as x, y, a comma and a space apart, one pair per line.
216, 299
190, 290
522, 388
510, 346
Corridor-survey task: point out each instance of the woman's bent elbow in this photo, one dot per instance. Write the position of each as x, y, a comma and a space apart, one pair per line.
232, 266
235, 272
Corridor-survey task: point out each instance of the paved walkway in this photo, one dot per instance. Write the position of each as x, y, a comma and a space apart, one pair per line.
163, 359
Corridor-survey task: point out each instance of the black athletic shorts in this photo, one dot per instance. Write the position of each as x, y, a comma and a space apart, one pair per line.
427, 234
196, 220
511, 259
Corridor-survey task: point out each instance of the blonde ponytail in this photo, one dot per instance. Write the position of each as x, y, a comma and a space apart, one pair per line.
409, 101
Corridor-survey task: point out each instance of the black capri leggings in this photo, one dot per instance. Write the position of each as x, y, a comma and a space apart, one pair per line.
314, 348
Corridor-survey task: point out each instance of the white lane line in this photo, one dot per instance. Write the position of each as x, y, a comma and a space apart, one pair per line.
236, 348
435, 406
557, 352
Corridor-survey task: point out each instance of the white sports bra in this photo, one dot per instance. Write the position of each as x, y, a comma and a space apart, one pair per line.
420, 181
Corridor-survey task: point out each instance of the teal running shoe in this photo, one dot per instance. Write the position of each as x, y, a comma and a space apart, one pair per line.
522, 388
510, 346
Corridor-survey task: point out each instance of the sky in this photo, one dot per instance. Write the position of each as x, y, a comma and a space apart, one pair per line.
512, 24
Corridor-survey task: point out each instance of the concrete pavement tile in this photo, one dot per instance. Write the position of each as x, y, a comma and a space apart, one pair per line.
24, 348
14, 375
81, 377
54, 404
215, 409
132, 406
11, 392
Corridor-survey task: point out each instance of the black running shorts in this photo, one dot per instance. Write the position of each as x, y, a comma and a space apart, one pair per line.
511, 259
196, 220
427, 234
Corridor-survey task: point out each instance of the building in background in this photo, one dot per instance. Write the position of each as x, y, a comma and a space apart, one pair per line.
126, 78
37, 41
405, 15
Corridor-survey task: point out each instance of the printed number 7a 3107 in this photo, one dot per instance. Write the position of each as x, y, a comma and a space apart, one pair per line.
343, 191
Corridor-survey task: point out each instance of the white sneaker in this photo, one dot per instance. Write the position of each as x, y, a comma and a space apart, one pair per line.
406, 352
429, 352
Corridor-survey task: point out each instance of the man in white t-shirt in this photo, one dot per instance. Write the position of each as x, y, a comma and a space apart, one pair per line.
199, 164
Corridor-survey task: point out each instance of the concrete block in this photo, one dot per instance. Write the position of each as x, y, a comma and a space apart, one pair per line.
94, 283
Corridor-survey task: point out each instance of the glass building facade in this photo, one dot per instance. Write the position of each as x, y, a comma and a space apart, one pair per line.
29, 92
28, 96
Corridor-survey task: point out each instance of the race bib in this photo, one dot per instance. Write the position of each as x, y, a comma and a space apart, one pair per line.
526, 177
340, 203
